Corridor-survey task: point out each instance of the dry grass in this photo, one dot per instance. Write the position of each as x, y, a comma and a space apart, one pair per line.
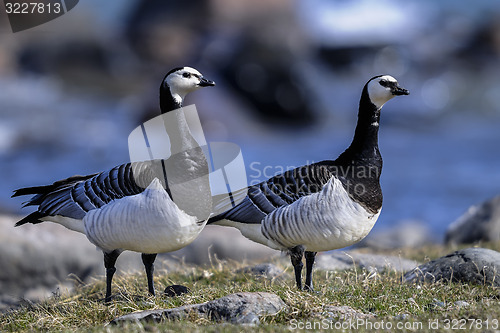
381, 294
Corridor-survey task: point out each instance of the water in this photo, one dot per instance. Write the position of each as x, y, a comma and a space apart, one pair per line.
435, 165
431, 175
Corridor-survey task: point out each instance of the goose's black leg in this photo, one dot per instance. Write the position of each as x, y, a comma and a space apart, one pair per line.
296, 254
148, 261
309, 268
109, 264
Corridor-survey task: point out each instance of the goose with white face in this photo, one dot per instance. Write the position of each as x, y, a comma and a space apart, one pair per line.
383, 88
184, 80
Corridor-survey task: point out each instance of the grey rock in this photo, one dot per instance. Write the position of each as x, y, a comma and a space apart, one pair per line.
402, 316
436, 304
250, 319
479, 223
472, 265
371, 262
239, 308
8, 302
343, 313
222, 243
462, 304
268, 271
37, 259
409, 234
335, 261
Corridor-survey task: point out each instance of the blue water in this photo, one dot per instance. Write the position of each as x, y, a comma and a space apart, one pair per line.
435, 167
435, 164
440, 144
431, 175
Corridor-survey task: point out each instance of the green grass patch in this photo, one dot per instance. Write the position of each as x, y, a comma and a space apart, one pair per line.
398, 306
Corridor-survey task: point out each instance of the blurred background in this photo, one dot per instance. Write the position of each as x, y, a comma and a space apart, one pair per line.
289, 76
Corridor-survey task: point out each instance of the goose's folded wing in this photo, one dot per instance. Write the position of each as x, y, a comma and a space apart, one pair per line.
75, 196
261, 199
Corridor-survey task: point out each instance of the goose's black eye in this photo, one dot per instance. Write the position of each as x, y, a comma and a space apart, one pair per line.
384, 83
186, 75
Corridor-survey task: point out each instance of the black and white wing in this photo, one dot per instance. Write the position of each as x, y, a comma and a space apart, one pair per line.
280, 190
75, 196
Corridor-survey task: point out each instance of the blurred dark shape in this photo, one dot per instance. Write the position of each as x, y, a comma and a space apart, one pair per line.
43, 59
264, 77
345, 58
266, 270
483, 45
70, 59
480, 223
406, 234
167, 32
177, 32
176, 290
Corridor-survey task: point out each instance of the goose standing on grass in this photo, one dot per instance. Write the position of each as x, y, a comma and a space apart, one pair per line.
322, 206
128, 207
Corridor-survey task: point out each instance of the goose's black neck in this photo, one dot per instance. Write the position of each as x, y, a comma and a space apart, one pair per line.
364, 146
167, 101
359, 167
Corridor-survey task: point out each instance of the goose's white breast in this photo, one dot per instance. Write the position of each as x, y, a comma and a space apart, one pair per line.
148, 222
322, 221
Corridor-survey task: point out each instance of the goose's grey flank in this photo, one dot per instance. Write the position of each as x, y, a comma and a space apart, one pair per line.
322, 206
130, 207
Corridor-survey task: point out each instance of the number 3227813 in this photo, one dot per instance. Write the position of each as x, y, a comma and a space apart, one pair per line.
32, 8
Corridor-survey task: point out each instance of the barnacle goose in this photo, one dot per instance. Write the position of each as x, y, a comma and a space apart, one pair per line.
128, 207
322, 206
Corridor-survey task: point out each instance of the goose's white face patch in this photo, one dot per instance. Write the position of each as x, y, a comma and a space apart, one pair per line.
183, 81
379, 90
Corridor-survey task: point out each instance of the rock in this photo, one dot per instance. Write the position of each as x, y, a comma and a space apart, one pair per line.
436, 304
334, 261
371, 262
239, 308
8, 302
461, 304
412, 234
479, 223
38, 259
268, 271
222, 243
176, 290
402, 316
343, 313
472, 265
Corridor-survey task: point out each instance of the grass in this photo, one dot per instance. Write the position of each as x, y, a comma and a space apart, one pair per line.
395, 305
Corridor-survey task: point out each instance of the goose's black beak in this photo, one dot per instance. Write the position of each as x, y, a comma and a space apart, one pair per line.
206, 83
398, 91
